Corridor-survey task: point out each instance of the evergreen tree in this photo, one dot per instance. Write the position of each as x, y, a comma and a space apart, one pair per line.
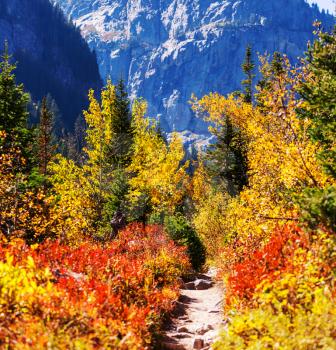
277, 64
227, 159
270, 71
319, 95
121, 127
13, 108
248, 67
58, 124
45, 135
79, 136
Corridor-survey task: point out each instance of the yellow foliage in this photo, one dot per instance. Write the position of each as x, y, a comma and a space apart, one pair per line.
21, 288
263, 329
294, 312
281, 156
84, 190
74, 206
24, 212
157, 167
210, 221
199, 186
99, 119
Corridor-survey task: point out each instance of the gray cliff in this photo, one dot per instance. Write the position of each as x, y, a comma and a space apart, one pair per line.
168, 49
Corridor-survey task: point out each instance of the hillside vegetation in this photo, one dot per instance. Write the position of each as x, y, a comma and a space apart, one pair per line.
96, 235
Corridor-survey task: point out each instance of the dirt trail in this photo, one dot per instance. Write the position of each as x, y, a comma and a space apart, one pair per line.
199, 315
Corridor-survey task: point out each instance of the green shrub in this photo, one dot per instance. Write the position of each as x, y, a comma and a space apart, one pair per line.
319, 207
182, 233
180, 230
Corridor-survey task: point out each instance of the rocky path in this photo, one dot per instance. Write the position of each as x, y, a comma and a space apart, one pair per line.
198, 315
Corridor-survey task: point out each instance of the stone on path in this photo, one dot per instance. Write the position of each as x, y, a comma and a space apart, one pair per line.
182, 329
198, 343
204, 329
199, 284
189, 286
181, 335
202, 276
203, 284
215, 311
172, 346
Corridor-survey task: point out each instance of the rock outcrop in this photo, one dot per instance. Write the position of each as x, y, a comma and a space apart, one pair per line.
168, 49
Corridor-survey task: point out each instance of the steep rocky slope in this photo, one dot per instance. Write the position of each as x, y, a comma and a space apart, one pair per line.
169, 49
51, 55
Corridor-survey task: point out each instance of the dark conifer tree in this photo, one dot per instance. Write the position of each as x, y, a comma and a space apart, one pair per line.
319, 95
13, 108
45, 136
227, 160
119, 149
272, 72
277, 64
248, 68
79, 135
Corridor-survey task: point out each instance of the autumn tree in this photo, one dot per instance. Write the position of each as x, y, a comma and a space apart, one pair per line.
108, 138
157, 173
84, 189
281, 157
95, 191
75, 206
210, 204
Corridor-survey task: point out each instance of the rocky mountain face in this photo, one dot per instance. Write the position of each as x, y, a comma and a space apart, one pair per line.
51, 55
168, 49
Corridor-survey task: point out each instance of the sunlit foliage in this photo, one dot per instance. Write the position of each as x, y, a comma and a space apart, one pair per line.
157, 169
281, 157
90, 296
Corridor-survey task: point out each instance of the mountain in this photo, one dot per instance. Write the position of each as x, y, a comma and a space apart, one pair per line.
168, 49
51, 55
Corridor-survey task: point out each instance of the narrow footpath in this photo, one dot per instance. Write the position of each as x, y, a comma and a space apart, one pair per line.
199, 315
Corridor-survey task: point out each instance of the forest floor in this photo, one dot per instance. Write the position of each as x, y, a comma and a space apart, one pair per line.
198, 316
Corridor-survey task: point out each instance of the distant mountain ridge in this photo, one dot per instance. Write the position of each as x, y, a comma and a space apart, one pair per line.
168, 49
52, 57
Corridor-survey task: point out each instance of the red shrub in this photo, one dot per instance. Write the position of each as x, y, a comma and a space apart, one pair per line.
117, 288
265, 263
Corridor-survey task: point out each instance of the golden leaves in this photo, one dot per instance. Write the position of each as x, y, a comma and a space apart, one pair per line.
281, 157
156, 167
